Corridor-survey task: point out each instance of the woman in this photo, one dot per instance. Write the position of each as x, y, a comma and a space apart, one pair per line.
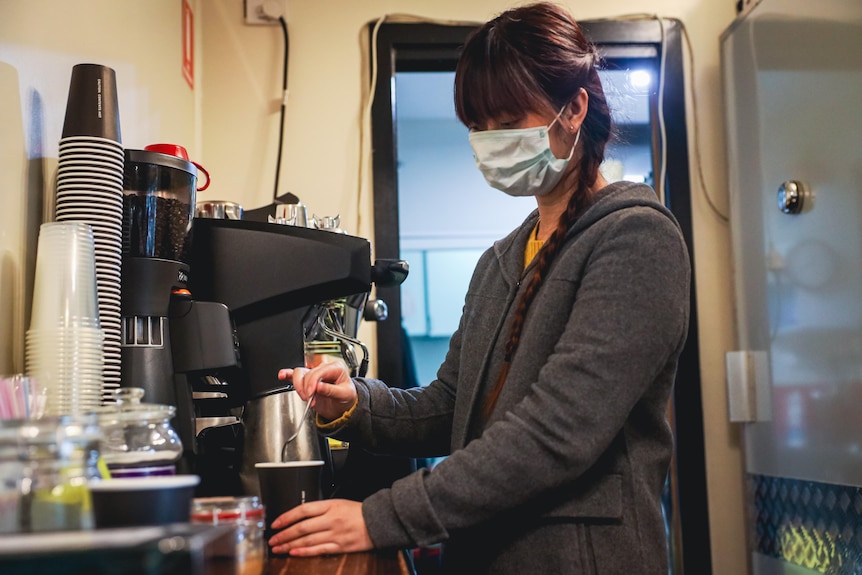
551, 403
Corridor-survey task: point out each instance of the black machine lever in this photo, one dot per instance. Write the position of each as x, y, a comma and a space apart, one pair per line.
387, 273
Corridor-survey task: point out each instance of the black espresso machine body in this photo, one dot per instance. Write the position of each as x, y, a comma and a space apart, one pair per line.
269, 276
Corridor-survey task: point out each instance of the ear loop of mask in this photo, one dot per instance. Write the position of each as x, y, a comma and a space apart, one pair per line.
577, 139
574, 145
577, 135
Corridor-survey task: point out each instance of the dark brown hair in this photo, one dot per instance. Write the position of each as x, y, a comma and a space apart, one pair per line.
525, 60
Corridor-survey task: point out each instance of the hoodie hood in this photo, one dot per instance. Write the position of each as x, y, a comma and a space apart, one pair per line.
611, 198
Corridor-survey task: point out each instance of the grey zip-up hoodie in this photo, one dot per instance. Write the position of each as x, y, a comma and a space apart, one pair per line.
567, 475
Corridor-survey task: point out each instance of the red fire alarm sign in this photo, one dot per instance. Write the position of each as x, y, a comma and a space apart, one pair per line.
188, 44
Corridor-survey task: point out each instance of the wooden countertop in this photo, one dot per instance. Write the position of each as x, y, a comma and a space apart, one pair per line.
93, 551
370, 563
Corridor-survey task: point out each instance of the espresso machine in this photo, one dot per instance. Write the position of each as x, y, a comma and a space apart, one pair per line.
285, 286
212, 308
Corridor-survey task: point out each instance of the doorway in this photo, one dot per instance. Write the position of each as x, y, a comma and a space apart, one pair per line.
415, 219
447, 214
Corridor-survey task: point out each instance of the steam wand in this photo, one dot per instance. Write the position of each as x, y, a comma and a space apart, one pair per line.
363, 365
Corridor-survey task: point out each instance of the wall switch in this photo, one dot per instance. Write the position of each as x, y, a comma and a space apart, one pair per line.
262, 12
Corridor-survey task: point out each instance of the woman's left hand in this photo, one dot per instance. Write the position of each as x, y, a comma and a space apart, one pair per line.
321, 527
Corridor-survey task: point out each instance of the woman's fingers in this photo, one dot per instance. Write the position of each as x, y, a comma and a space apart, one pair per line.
298, 513
315, 538
328, 380
317, 527
329, 383
309, 551
296, 375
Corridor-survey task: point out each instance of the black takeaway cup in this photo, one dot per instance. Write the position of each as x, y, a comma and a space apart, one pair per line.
91, 108
285, 485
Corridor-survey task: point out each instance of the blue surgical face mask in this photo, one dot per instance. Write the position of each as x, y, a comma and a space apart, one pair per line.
520, 162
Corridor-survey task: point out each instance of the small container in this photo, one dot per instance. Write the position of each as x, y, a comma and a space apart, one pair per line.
246, 516
45, 466
11, 474
218, 210
140, 501
139, 439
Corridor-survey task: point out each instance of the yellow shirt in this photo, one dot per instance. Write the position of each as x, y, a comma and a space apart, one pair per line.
533, 246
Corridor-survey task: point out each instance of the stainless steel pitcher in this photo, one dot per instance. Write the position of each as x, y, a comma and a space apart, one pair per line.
269, 421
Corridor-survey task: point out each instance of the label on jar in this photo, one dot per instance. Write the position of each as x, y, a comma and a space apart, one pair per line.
142, 471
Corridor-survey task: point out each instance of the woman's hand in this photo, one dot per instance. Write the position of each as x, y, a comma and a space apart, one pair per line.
334, 392
319, 527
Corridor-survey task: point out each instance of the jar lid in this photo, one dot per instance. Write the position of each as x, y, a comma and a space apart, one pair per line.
128, 408
219, 509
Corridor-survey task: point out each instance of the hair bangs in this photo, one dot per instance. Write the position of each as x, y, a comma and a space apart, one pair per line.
493, 81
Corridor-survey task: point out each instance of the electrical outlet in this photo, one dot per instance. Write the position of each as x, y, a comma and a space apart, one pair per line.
262, 12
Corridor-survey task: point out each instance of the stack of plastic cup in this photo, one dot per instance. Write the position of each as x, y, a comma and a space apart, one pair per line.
63, 346
90, 190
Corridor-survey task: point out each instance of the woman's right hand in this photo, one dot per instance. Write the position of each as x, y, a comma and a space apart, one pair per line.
330, 383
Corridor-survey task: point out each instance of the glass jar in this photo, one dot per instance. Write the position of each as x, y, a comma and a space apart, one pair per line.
139, 438
246, 516
11, 473
45, 465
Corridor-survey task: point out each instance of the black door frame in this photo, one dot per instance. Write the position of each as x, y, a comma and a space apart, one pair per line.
431, 47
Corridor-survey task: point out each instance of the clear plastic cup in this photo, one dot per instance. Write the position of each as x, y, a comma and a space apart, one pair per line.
69, 363
65, 354
64, 292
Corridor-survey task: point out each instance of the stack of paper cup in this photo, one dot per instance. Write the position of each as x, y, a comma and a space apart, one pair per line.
90, 190
63, 346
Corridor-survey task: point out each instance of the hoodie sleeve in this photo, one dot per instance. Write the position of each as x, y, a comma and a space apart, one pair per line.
415, 422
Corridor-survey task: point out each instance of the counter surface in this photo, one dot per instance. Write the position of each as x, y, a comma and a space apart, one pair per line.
177, 549
370, 563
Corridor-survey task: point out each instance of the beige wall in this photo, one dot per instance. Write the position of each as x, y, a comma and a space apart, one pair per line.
40, 42
230, 125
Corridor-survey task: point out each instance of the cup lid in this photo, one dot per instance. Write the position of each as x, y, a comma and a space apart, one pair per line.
180, 152
143, 483
129, 408
281, 464
169, 149
160, 159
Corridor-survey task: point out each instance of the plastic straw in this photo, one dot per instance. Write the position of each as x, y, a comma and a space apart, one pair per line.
21, 398
5, 400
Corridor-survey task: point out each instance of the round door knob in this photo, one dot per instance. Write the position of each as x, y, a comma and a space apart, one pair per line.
792, 197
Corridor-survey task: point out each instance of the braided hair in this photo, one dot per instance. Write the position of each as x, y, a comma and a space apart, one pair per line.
530, 59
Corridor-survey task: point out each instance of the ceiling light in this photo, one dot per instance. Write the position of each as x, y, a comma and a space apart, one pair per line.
640, 79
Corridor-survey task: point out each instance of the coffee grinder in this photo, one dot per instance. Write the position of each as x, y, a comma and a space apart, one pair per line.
166, 335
